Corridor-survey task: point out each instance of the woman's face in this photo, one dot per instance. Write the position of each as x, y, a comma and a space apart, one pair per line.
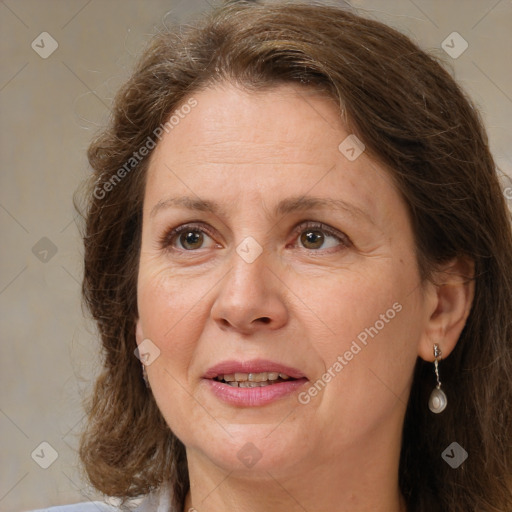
292, 269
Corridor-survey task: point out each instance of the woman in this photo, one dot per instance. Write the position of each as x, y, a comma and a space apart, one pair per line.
297, 253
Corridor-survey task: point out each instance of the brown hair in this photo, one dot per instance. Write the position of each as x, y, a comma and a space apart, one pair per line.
415, 120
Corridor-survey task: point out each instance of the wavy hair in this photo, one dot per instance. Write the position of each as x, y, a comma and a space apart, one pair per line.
414, 119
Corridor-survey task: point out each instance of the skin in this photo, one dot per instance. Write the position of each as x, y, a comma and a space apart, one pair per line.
299, 303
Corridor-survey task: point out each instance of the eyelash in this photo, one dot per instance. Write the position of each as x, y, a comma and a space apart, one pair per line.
168, 239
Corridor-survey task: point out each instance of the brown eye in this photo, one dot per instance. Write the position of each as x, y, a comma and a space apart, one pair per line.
191, 240
312, 239
315, 236
188, 238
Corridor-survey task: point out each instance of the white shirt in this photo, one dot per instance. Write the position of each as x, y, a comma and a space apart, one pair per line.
159, 501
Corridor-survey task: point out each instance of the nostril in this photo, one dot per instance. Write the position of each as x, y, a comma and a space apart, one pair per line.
264, 319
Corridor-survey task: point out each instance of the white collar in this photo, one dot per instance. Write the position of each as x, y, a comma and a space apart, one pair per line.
157, 501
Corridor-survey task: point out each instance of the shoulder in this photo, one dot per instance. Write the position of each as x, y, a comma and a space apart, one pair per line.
157, 501
87, 506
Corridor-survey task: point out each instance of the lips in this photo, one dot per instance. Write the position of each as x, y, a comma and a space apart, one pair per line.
252, 383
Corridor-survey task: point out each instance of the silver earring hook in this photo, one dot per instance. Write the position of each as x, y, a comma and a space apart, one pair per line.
438, 401
437, 355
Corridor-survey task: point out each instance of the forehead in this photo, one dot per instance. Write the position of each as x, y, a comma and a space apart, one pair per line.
280, 141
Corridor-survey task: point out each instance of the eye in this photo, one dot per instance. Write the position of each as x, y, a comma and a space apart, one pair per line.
314, 236
311, 236
188, 237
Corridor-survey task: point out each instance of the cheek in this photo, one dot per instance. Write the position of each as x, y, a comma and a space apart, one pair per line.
171, 312
350, 305
373, 323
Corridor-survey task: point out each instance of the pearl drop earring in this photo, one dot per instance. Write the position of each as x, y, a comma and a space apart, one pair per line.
438, 401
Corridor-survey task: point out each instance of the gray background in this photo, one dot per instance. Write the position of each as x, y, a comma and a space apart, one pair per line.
50, 108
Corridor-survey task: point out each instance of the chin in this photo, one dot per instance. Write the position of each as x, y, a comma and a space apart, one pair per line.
253, 449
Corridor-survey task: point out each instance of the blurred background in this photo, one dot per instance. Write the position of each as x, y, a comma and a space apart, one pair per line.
62, 62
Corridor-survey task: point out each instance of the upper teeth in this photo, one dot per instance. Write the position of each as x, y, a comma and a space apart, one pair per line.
252, 377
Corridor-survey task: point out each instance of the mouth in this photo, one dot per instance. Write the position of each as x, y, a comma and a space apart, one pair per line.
253, 380
253, 383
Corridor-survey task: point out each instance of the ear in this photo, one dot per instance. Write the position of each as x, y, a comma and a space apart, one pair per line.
139, 335
451, 291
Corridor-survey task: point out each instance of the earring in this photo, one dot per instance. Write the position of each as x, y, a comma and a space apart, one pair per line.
145, 376
437, 402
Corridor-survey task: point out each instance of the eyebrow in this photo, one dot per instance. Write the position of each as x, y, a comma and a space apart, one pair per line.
286, 206
188, 203
301, 203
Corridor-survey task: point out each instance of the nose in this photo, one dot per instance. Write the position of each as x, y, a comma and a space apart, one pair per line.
250, 298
